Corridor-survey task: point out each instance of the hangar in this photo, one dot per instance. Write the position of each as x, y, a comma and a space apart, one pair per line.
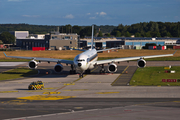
128, 42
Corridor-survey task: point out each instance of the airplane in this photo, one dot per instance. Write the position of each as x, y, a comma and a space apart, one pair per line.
87, 60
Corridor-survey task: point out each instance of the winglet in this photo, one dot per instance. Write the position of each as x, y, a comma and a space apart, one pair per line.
174, 52
5, 54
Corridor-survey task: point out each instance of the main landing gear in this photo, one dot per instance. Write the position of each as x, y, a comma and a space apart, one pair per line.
102, 69
81, 75
72, 71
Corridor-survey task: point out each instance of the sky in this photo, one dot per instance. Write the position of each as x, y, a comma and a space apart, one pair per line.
88, 12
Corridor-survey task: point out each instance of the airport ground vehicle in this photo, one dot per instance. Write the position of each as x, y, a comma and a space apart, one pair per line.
36, 85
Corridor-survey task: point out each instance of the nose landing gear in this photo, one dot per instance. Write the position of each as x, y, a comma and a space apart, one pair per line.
81, 75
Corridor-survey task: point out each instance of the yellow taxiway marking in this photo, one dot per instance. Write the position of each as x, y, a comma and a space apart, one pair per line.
15, 102
51, 93
79, 79
106, 92
8, 91
94, 69
69, 84
77, 90
120, 75
51, 88
45, 97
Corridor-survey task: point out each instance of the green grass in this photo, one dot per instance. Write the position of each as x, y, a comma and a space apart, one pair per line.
17, 73
14, 60
152, 76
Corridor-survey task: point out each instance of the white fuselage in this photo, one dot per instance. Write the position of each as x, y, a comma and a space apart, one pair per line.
85, 60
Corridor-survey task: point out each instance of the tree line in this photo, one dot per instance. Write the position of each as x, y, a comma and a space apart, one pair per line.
148, 29
145, 29
83, 31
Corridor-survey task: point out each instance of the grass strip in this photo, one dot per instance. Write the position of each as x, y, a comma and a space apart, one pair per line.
17, 73
152, 76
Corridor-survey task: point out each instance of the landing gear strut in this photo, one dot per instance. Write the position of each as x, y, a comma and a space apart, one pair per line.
102, 69
81, 75
87, 71
72, 71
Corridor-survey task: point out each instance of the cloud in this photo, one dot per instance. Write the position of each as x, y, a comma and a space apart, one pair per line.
92, 18
31, 16
88, 14
70, 16
102, 13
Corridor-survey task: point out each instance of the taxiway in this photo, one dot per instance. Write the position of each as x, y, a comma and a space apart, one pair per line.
92, 97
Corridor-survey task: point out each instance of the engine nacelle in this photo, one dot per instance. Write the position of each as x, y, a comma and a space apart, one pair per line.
112, 67
58, 68
141, 63
33, 64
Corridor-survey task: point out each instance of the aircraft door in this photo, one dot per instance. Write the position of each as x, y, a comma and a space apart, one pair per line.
87, 60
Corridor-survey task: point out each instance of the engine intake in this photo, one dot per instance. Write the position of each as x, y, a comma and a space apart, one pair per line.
112, 67
33, 64
58, 68
141, 63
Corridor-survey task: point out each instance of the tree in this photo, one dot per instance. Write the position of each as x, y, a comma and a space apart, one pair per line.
118, 34
158, 34
108, 35
100, 34
137, 35
7, 38
76, 29
87, 31
148, 34
128, 34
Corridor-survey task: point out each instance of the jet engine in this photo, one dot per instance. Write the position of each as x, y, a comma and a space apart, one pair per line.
58, 68
141, 63
112, 67
33, 64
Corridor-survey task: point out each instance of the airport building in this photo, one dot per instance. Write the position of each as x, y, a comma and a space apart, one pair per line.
20, 34
53, 41
33, 41
129, 43
63, 41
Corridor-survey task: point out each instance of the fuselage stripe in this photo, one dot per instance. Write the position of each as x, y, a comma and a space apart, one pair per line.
93, 57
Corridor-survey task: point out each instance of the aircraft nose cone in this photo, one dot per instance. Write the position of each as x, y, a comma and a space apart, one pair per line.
79, 64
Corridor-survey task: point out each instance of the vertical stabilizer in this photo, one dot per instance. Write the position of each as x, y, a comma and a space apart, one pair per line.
92, 40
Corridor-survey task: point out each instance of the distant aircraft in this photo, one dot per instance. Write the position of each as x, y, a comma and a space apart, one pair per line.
88, 60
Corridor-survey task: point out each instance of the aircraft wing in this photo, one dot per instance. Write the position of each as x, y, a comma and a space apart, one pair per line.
130, 58
43, 59
107, 49
79, 49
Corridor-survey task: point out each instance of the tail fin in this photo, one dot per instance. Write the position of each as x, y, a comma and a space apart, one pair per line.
92, 41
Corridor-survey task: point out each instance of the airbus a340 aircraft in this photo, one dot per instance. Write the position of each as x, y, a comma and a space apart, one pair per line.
87, 60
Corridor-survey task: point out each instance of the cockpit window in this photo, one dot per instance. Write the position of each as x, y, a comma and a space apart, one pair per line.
80, 60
